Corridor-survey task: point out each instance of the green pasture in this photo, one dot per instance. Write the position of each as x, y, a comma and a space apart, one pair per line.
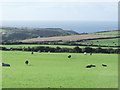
55, 70
109, 33
106, 42
2, 30
32, 45
54, 46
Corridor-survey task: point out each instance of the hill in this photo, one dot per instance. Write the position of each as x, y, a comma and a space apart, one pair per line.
89, 36
15, 33
110, 32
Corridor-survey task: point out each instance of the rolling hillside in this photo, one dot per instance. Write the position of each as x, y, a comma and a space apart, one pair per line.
104, 38
13, 33
70, 38
111, 32
108, 38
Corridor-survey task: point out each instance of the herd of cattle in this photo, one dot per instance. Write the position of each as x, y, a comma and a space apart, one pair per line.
69, 56
89, 66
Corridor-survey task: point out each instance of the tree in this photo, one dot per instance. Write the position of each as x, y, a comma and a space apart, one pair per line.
98, 50
88, 49
77, 49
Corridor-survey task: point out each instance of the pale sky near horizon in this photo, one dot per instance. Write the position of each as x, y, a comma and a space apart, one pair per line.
59, 0
65, 11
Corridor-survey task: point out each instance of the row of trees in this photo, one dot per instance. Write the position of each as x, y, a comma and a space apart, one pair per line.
68, 50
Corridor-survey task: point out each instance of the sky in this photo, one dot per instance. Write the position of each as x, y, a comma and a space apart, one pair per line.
64, 11
59, 0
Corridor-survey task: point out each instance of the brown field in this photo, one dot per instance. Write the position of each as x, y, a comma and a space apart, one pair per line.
69, 38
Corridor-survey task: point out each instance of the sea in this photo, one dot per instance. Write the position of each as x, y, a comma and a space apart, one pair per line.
77, 26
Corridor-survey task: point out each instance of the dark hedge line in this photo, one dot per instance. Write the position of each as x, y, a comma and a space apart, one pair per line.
69, 43
67, 50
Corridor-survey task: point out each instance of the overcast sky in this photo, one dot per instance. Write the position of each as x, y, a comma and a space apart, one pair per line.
81, 11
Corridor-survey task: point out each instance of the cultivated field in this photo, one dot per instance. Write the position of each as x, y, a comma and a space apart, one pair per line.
69, 38
107, 34
55, 70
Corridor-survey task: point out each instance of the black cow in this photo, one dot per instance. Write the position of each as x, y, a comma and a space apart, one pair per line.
4, 64
69, 56
104, 65
32, 53
90, 53
93, 66
88, 66
26, 62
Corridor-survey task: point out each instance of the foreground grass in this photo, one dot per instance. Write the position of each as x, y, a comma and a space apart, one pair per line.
55, 70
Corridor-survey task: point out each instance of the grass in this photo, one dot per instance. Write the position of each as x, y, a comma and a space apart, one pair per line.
109, 33
55, 70
62, 46
25, 45
106, 42
2, 30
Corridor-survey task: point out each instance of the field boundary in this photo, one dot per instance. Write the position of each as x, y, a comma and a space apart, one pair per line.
60, 89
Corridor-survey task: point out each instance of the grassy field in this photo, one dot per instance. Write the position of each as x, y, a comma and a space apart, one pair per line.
32, 45
2, 30
109, 33
106, 42
62, 46
55, 70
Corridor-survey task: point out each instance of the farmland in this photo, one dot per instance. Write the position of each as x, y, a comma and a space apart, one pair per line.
69, 38
105, 42
95, 35
55, 70
17, 33
54, 46
117, 32
99, 42
35, 45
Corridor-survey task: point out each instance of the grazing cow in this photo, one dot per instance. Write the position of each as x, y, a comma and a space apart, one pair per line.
4, 64
32, 53
69, 56
90, 53
26, 62
104, 65
93, 66
88, 66
85, 53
